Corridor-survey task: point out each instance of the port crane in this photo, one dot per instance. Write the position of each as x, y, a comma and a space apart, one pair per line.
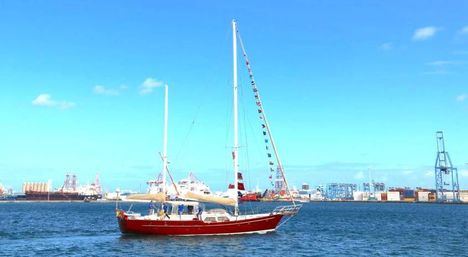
446, 176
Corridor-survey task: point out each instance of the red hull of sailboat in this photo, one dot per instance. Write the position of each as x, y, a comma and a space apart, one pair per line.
197, 227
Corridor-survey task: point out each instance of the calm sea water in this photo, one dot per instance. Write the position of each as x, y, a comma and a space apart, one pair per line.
321, 229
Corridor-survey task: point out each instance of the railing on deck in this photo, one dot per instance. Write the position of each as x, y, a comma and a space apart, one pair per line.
287, 209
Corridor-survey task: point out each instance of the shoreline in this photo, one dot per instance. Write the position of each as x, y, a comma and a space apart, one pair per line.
267, 201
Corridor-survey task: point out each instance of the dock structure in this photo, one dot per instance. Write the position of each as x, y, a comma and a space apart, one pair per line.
446, 176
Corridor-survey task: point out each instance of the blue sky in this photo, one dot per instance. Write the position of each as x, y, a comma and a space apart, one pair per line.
348, 86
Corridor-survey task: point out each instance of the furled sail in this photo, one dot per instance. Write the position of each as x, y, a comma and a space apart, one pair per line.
209, 198
159, 197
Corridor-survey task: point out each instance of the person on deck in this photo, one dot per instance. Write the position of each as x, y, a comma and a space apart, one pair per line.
151, 208
199, 213
161, 214
180, 209
164, 206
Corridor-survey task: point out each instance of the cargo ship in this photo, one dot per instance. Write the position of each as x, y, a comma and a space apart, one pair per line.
41, 191
55, 196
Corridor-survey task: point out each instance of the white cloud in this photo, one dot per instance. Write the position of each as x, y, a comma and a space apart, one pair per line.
102, 90
43, 100
443, 63
386, 46
444, 66
429, 173
149, 85
462, 97
437, 72
47, 101
408, 172
424, 33
463, 31
65, 105
359, 175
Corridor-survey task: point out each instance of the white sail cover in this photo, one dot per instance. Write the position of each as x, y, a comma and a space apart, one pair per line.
159, 197
210, 198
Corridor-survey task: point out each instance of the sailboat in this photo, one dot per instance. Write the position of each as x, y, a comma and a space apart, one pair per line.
185, 216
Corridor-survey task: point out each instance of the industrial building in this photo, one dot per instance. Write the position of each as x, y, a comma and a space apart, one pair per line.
340, 191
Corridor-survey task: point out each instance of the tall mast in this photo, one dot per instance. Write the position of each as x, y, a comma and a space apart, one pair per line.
166, 106
236, 143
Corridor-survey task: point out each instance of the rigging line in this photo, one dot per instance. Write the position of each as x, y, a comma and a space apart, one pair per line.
247, 124
228, 127
227, 161
267, 138
248, 127
186, 140
246, 144
253, 131
283, 222
170, 176
187, 135
262, 115
244, 128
